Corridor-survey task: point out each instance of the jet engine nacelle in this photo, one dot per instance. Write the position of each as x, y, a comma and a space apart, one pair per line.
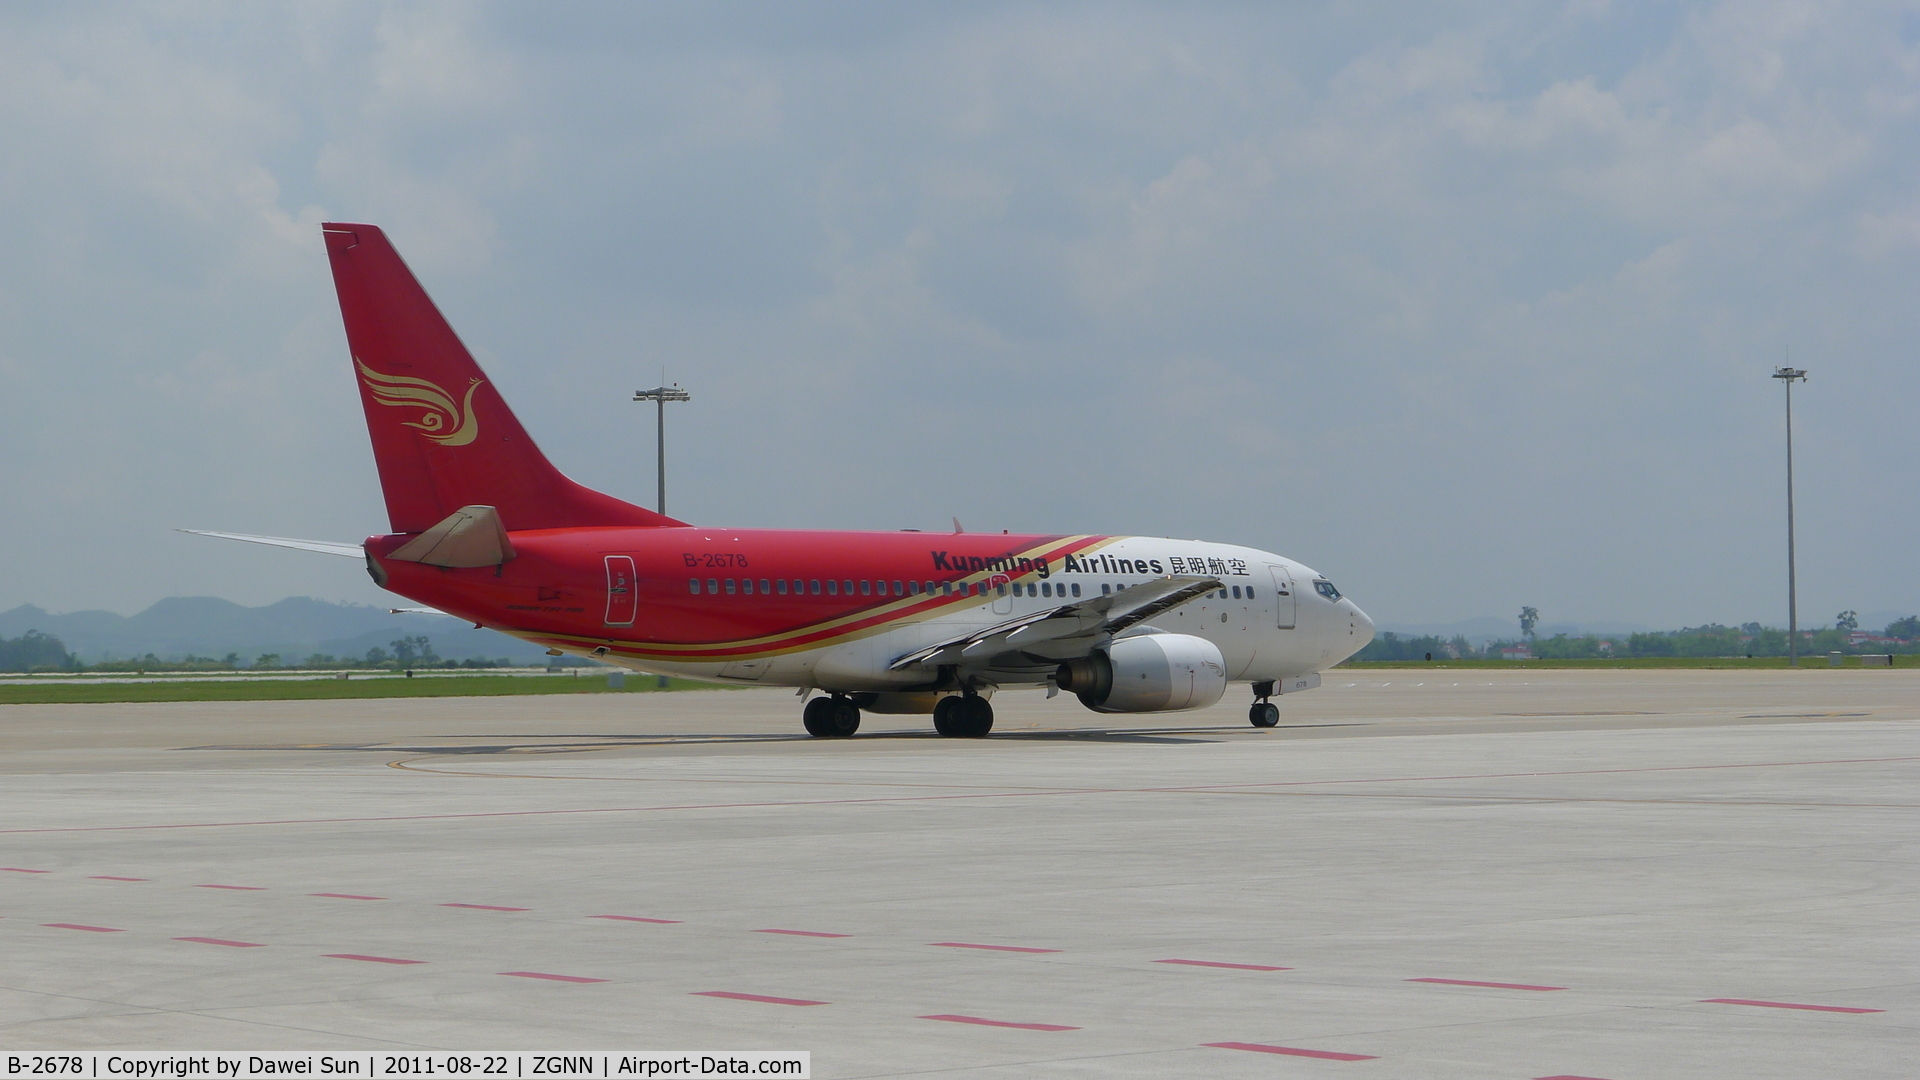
1149, 673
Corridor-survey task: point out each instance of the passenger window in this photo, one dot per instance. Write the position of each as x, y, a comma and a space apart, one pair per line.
898, 589
1076, 588
833, 587
1003, 590
1031, 587
946, 588
1046, 589
1236, 592
693, 585
815, 589
848, 585
729, 586
713, 586
866, 588
783, 586
913, 587
1249, 592
766, 587
746, 586
1105, 589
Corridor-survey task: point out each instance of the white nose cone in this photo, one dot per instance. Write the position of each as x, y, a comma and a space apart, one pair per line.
1362, 628
1359, 631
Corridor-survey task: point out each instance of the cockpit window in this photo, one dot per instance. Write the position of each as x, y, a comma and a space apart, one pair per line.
1326, 589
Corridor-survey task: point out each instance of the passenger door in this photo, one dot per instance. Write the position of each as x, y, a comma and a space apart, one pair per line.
623, 594
1002, 602
1283, 599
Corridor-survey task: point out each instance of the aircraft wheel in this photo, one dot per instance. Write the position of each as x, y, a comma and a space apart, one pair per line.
831, 718
1264, 714
969, 718
943, 716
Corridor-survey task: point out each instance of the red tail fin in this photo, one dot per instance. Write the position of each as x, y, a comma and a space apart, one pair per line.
442, 435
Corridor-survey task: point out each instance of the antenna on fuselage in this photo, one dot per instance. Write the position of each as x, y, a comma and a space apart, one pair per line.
957, 527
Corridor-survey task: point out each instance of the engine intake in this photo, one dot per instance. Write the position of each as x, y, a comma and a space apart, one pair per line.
1149, 673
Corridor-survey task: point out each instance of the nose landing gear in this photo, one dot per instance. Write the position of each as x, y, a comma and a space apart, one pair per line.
831, 717
1264, 713
967, 717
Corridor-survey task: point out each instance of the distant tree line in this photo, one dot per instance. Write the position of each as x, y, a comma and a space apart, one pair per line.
1712, 639
35, 651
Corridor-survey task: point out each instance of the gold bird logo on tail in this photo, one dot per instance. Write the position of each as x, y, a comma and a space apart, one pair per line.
445, 421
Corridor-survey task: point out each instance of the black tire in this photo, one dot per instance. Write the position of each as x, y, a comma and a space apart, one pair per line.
1264, 714
943, 716
844, 719
970, 718
819, 717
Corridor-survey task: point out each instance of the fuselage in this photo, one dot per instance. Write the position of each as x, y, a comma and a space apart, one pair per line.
834, 610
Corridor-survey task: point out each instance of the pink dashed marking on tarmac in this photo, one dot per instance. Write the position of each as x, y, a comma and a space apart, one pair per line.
223, 941
345, 896
731, 996
486, 907
802, 933
551, 977
235, 888
637, 918
1569, 1076
1291, 1051
1220, 964
953, 1018
992, 948
23, 870
1786, 1005
110, 877
1494, 985
83, 926
369, 959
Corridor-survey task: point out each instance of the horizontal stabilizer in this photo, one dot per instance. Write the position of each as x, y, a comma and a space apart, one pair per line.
324, 547
470, 536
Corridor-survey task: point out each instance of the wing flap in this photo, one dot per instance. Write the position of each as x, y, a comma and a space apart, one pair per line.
1089, 619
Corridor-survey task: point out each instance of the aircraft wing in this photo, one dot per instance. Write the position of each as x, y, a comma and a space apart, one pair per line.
324, 547
1067, 631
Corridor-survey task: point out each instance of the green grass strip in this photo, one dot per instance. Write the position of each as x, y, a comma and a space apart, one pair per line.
325, 689
1816, 662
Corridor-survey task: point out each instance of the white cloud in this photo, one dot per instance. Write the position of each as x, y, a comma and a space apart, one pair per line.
1464, 304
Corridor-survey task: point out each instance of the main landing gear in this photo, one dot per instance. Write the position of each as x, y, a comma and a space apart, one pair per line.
967, 717
831, 717
1264, 713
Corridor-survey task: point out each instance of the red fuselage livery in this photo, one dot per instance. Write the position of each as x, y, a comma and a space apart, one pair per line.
484, 527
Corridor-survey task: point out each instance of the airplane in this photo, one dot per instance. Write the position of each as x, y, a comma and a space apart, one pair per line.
486, 529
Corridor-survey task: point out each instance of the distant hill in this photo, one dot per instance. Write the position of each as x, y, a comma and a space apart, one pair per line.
294, 628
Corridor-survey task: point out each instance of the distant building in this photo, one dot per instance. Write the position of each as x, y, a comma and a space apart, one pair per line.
1517, 652
1861, 637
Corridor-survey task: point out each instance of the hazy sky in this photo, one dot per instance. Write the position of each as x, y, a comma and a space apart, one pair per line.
1466, 305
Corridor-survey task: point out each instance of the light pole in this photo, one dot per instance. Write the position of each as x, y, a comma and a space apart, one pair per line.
660, 395
1790, 376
